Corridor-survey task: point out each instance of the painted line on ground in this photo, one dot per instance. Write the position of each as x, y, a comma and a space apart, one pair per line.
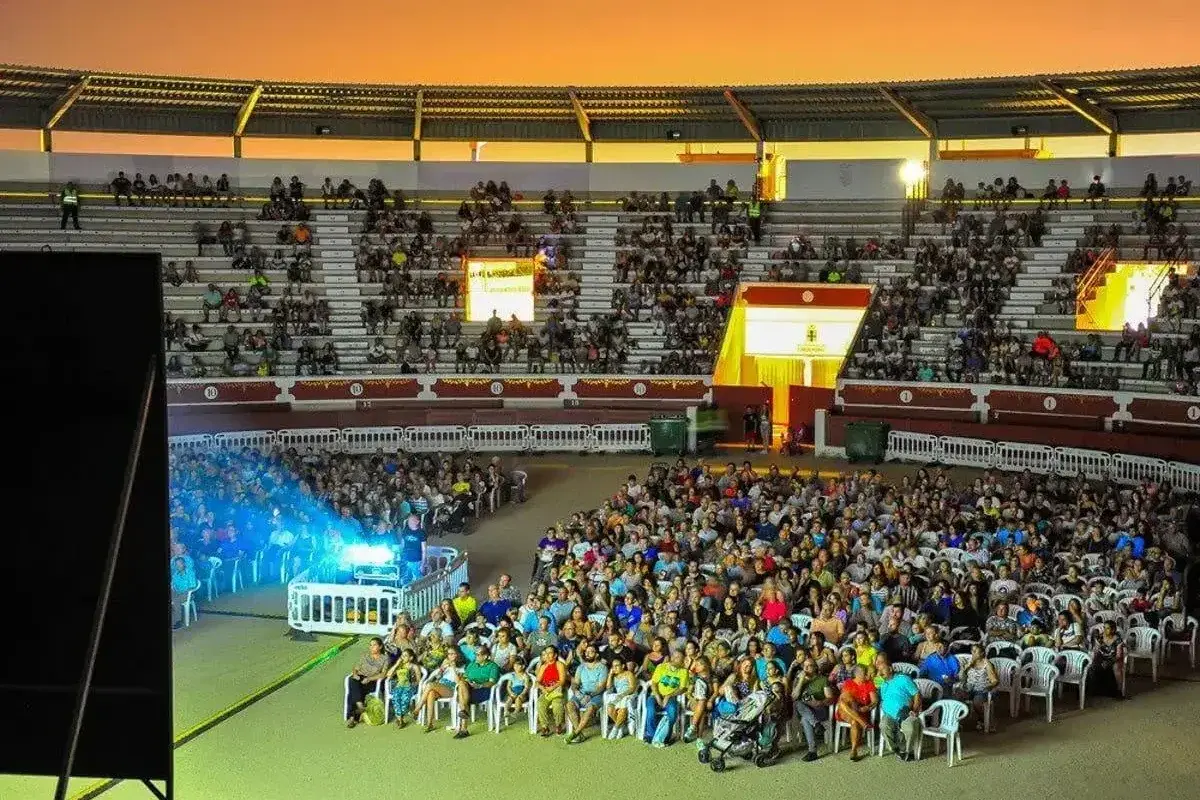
100, 787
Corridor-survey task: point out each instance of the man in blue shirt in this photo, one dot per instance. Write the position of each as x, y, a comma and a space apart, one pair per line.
412, 548
495, 607
587, 692
899, 709
1134, 542
941, 667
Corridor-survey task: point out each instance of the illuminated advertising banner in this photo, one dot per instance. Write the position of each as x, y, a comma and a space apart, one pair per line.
500, 285
811, 332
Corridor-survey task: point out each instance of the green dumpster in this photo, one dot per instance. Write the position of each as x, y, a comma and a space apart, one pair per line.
867, 441
669, 435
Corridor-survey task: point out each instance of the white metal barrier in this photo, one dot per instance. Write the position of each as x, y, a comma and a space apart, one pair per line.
343, 608
436, 439
369, 609
620, 437
499, 438
1019, 456
967, 452
550, 438
236, 440
1135, 469
628, 438
1092, 463
907, 446
199, 441
1095, 464
1185, 477
370, 440
304, 438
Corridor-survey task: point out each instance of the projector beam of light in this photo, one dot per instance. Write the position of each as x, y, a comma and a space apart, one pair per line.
367, 554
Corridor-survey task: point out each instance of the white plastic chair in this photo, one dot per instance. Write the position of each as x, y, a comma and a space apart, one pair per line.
1188, 627
1143, 643
963, 660
450, 703
1038, 655
236, 581
498, 717
643, 694
1038, 680
940, 722
931, 691
1006, 675
213, 581
1115, 617
632, 721
802, 623
1061, 601
904, 668
869, 733
190, 612
1076, 665
380, 692
1039, 588
531, 704
1008, 650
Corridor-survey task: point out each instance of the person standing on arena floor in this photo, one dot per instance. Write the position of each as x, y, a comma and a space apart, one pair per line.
413, 547
68, 199
900, 708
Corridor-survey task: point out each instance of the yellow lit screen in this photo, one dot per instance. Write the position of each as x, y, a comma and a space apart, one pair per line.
792, 331
503, 286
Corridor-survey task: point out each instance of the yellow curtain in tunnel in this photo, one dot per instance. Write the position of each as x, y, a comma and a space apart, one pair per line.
779, 374
825, 372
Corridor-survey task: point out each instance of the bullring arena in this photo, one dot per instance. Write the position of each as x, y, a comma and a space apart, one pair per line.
875, 467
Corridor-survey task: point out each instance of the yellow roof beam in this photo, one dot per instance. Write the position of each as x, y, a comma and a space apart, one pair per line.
1099, 116
585, 124
744, 114
919, 120
64, 103
247, 109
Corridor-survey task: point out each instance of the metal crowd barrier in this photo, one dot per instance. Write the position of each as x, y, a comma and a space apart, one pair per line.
613, 438
1012, 456
370, 609
628, 438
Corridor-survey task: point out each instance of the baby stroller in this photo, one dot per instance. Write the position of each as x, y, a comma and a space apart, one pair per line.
750, 733
455, 516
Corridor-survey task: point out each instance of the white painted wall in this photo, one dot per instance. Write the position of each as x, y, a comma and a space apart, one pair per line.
845, 180
806, 179
449, 176
1117, 173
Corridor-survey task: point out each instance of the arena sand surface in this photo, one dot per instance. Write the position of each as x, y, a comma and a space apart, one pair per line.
292, 745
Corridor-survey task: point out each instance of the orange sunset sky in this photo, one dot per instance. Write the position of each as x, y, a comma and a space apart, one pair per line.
602, 42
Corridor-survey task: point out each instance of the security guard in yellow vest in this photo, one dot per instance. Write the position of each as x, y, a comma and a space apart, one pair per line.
754, 215
69, 200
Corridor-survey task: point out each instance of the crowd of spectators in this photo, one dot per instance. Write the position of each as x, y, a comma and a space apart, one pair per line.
283, 510
963, 285
853, 599
290, 310
175, 190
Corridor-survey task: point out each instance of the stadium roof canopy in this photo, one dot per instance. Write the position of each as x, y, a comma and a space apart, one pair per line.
1150, 101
